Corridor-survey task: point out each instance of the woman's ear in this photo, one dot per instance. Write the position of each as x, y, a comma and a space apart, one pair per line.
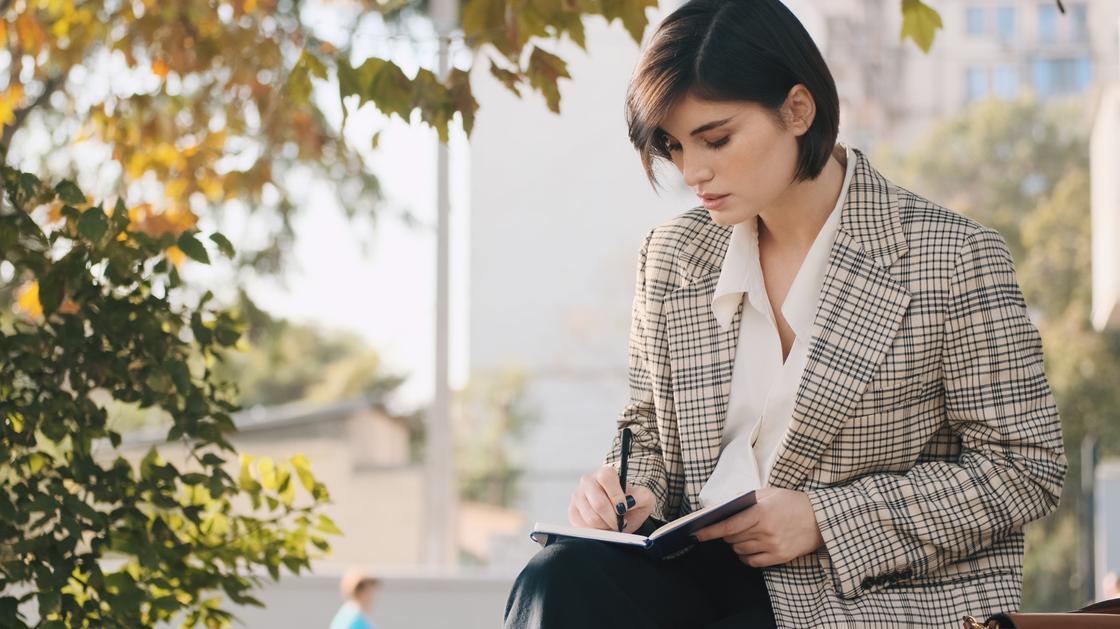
799, 109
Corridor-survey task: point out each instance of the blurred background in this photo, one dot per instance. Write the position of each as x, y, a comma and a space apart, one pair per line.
1012, 117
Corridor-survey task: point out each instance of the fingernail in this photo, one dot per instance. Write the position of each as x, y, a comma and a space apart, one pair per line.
630, 502
620, 508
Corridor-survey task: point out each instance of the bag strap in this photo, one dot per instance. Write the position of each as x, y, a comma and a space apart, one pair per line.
1007, 621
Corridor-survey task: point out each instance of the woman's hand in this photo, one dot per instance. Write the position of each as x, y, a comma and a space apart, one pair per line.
595, 501
779, 527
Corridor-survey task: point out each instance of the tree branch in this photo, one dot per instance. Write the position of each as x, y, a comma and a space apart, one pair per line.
52, 84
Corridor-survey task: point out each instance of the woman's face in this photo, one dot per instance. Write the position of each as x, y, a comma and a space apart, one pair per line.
750, 157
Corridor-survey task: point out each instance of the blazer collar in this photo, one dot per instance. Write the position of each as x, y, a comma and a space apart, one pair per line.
869, 215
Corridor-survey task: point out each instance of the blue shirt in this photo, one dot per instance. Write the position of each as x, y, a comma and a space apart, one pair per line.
349, 616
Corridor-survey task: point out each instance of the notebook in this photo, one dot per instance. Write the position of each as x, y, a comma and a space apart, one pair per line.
662, 542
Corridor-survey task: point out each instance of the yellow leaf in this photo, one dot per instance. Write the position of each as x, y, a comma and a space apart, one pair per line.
250, 6
28, 301
175, 189
176, 255
245, 479
8, 102
165, 154
303, 470
920, 23
268, 472
159, 68
211, 187
3, 32
30, 33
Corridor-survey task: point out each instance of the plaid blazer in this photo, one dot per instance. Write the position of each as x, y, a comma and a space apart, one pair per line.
924, 430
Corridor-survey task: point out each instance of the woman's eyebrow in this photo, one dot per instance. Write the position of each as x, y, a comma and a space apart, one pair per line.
707, 126
711, 125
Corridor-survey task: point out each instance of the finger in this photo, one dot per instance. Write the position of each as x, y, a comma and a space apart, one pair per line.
759, 560
592, 518
740, 522
753, 533
601, 503
750, 547
574, 517
609, 481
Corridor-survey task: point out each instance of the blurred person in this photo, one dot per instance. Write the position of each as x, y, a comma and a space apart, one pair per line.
358, 589
858, 354
1110, 585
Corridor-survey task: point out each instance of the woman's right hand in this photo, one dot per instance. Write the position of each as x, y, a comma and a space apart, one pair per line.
594, 502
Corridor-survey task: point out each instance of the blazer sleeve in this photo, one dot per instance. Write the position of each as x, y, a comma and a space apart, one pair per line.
1012, 462
645, 465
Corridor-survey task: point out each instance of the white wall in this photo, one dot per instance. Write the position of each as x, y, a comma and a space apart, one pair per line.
559, 207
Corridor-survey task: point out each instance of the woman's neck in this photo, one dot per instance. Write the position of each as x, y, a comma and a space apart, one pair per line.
797, 218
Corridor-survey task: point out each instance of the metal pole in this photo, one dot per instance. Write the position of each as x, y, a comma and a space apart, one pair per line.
1089, 454
441, 514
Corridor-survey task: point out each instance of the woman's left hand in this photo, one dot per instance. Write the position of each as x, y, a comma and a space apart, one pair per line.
779, 527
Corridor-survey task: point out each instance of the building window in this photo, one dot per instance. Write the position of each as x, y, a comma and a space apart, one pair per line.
1057, 77
976, 86
1047, 23
1005, 23
974, 17
1006, 81
1079, 23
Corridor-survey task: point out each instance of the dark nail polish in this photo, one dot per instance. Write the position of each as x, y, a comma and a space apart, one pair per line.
620, 508
630, 502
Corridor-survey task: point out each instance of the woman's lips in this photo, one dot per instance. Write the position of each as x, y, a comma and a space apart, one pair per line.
713, 203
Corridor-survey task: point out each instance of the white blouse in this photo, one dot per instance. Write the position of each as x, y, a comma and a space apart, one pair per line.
763, 388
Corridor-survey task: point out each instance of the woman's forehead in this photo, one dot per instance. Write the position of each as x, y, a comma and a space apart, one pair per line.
690, 114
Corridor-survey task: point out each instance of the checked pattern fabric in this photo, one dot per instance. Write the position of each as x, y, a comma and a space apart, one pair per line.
925, 432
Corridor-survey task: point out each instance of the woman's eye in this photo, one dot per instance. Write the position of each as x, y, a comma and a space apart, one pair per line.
672, 146
718, 143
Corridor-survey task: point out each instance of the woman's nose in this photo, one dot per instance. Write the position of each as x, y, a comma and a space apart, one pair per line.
695, 173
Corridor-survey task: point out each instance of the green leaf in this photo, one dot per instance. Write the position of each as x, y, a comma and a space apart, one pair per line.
434, 99
632, 13
68, 192
193, 248
224, 245
303, 471
920, 23
49, 601
510, 79
93, 224
544, 71
462, 98
327, 525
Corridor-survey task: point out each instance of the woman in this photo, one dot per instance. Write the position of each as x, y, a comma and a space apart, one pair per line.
860, 354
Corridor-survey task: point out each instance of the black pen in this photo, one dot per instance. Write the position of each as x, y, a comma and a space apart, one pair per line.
625, 447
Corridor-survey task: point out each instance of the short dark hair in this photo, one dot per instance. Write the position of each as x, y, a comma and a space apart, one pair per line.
725, 50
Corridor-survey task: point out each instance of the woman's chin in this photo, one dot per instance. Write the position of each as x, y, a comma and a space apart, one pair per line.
725, 217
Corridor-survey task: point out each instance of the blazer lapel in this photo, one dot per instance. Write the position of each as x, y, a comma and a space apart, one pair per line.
701, 355
862, 305
861, 308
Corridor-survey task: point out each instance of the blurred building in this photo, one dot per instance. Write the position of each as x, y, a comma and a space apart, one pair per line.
356, 449
1106, 562
1104, 179
891, 91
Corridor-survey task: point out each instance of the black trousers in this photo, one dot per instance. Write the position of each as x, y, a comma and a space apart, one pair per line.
583, 584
